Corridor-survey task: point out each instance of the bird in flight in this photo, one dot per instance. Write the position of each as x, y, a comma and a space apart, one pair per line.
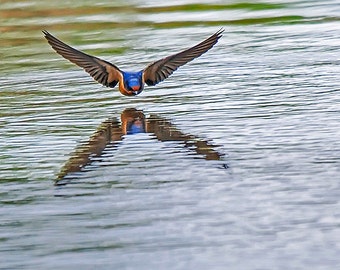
131, 83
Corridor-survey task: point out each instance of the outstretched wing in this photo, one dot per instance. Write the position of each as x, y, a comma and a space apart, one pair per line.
103, 72
162, 69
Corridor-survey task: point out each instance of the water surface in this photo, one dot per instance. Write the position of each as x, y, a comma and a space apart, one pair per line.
265, 100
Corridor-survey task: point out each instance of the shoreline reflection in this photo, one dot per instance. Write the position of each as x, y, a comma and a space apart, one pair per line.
133, 121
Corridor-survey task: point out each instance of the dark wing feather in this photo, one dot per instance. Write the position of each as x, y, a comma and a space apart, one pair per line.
102, 71
163, 68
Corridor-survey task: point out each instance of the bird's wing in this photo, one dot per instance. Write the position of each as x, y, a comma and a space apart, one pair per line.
163, 68
102, 71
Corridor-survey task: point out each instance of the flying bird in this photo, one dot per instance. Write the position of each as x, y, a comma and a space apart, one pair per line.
131, 83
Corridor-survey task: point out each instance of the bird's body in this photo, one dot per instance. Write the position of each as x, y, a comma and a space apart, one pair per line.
130, 83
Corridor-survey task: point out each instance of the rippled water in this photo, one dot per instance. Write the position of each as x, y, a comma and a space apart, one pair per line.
264, 102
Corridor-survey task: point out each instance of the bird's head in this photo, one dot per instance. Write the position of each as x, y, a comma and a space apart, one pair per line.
133, 83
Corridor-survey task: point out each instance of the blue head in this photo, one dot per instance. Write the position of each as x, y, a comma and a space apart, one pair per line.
133, 83
136, 126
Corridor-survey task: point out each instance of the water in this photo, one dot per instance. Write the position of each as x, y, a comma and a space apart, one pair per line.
265, 100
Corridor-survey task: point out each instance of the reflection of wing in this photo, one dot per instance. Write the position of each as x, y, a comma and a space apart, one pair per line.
162, 69
166, 131
103, 72
107, 132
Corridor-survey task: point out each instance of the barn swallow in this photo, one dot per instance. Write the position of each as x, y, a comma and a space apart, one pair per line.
131, 83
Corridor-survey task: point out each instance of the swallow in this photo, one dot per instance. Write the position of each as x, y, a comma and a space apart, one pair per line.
130, 83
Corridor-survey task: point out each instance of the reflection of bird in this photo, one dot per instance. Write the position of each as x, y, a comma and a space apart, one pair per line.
132, 121
131, 83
